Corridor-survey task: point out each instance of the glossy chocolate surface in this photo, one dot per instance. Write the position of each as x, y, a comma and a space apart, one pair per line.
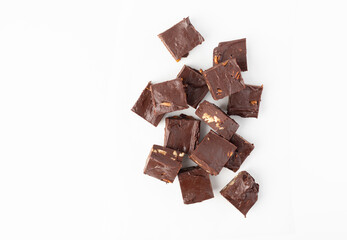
224, 79
168, 96
217, 119
182, 133
144, 107
194, 85
163, 163
212, 153
181, 38
242, 192
195, 185
244, 148
235, 49
246, 102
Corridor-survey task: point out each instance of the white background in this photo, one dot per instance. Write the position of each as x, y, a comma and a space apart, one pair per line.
72, 153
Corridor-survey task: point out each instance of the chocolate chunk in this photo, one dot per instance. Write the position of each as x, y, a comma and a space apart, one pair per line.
144, 107
242, 192
235, 49
181, 38
243, 150
195, 185
212, 153
168, 96
224, 79
182, 133
163, 163
217, 119
246, 102
194, 85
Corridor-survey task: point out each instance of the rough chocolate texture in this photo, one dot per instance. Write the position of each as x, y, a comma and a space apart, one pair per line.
246, 102
242, 192
182, 133
195, 185
212, 153
224, 79
168, 96
181, 38
163, 163
244, 148
144, 107
235, 49
217, 119
194, 85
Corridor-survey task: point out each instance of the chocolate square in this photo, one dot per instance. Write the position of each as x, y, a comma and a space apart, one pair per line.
182, 133
224, 79
235, 49
195, 185
242, 192
244, 148
163, 163
246, 102
181, 38
168, 96
194, 85
212, 153
217, 119
144, 107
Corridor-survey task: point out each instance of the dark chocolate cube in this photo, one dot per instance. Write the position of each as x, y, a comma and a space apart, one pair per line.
217, 119
246, 102
181, 38
224, 79
244, 148
195, 185
194, 85
144, 107
212, 153
163, 163
168, 96
235, 49
182, 133
242, 192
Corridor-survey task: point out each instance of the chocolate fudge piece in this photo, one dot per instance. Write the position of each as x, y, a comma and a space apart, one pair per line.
181, 38
244, 148
182, 133
246, 102
224, 79
235, 49
242, 192
217, 119
163, 163
168, 96
144, 107
195, 185
194, 85
212, 153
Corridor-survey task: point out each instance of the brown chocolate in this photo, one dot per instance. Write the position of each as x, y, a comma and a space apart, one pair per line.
242, 192
212, 153
217, 119
168, 96
235, 49
224, 79
163, 163
246, 102
144, 107
195, 185
182, 133
194, 85
244, 148
181, 38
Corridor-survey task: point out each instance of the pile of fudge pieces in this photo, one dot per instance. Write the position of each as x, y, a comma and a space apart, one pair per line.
222, 146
